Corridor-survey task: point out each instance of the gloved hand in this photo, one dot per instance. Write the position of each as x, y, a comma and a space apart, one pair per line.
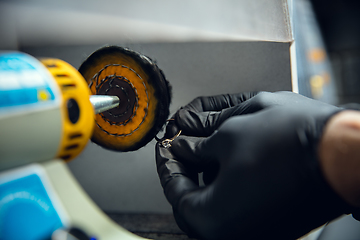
261, 153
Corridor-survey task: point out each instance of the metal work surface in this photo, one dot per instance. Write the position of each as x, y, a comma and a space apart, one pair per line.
152, 226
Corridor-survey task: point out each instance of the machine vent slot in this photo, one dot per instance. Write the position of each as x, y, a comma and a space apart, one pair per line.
68, 85
66, 157
70, 147
51, 65
75, 135
62, 75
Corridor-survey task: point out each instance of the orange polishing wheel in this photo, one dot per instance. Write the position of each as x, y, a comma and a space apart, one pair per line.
143, 91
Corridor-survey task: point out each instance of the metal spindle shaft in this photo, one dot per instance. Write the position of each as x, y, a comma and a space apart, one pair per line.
102, 103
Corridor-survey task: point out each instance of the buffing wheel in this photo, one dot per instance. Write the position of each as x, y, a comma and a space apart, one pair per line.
143, 91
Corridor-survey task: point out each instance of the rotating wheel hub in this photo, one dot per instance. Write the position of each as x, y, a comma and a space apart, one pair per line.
125, 91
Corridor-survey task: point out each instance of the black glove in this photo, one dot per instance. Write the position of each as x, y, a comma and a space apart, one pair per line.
261, 151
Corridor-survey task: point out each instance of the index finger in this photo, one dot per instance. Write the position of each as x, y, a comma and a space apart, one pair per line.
218, 102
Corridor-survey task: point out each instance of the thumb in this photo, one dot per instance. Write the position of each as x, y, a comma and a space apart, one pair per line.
193, 152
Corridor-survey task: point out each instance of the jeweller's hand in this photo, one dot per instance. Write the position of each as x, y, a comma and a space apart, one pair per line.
261, 150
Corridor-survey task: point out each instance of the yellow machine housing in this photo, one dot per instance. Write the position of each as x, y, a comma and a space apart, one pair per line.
41, 121
77, 124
